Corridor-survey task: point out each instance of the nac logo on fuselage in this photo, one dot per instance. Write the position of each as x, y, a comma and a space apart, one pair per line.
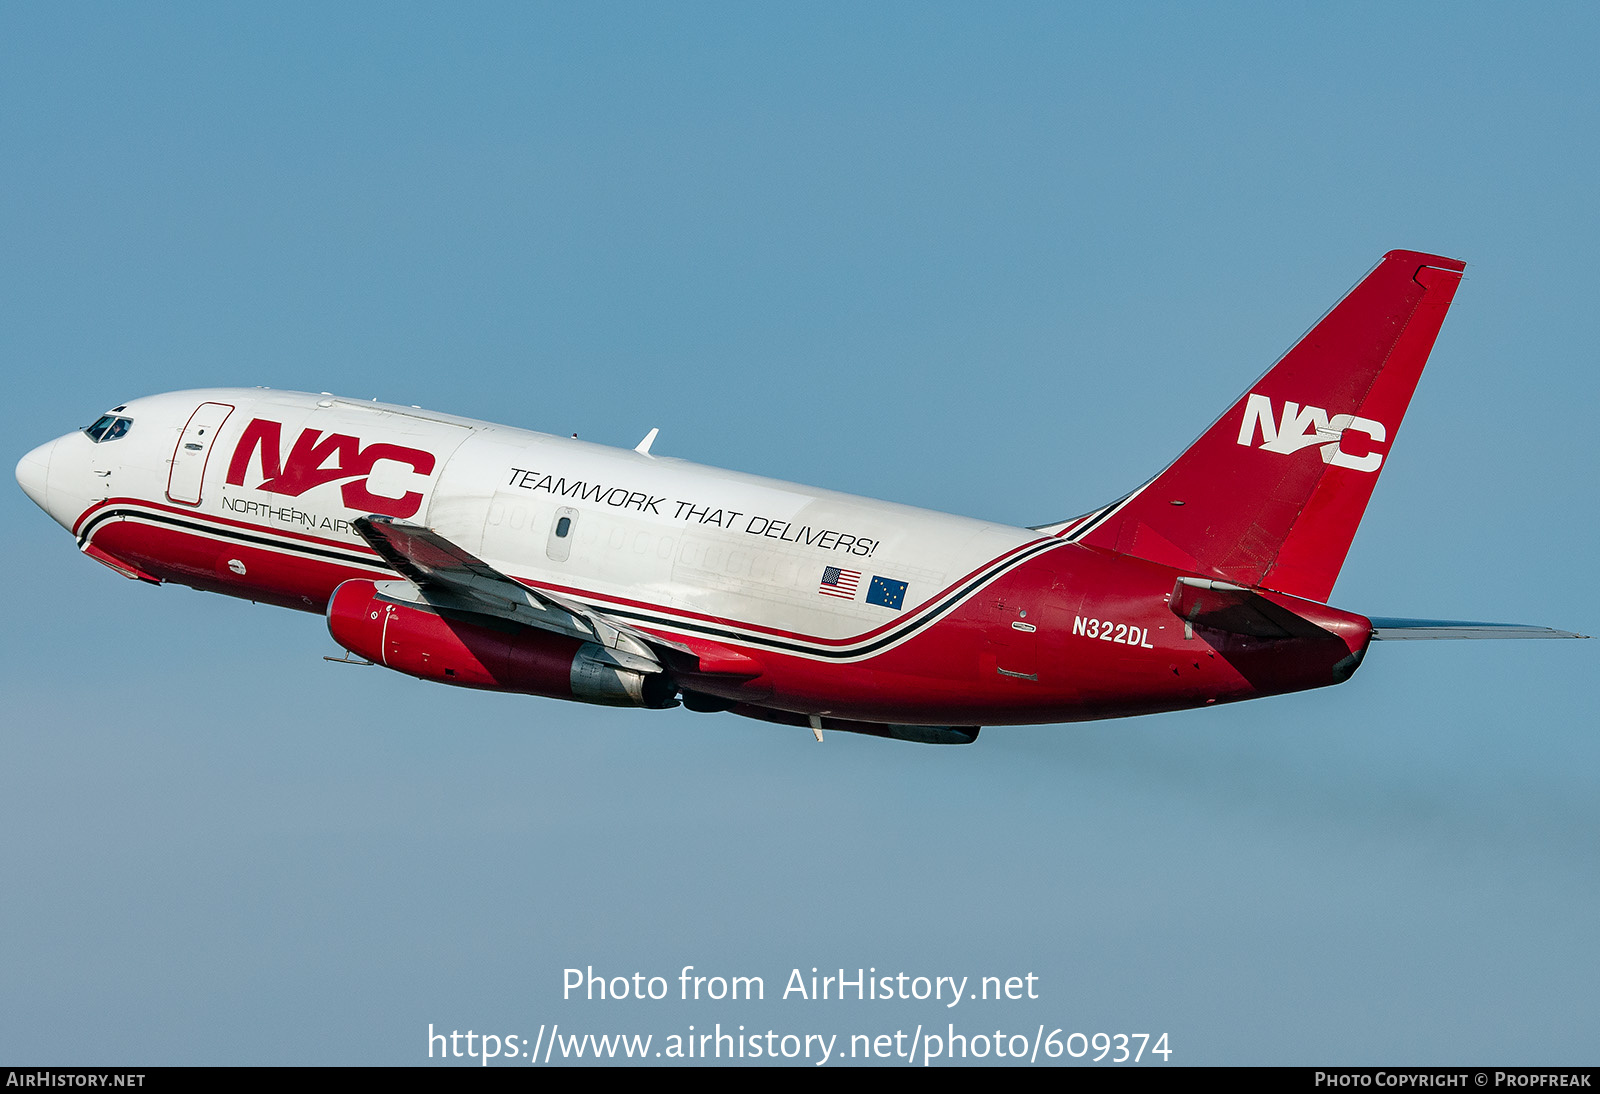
1300, 427
316, 459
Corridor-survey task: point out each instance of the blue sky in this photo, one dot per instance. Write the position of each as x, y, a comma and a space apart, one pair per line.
1001, 260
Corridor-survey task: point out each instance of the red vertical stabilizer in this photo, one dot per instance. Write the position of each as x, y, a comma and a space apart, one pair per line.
1272, 493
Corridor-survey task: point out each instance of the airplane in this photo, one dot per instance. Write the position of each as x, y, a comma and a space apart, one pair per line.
486, 556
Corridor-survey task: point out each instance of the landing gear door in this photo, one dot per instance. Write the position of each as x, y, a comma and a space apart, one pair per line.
193, 450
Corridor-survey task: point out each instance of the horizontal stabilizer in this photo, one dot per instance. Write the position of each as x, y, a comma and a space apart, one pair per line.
1222, 606
1412, 630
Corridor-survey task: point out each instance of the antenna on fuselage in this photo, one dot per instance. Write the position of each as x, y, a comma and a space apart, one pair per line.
643, 447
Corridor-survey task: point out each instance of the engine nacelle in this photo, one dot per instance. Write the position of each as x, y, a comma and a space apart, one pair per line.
482, 653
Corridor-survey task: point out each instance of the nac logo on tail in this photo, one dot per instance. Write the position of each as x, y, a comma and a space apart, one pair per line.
1300, 427
315, 459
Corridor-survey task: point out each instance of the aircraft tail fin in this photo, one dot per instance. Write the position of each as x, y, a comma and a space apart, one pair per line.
1271, 494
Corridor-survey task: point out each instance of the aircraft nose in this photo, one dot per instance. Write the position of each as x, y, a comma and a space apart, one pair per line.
32, 471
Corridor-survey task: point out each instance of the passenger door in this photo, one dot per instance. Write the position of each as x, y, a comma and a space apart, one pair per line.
193, 451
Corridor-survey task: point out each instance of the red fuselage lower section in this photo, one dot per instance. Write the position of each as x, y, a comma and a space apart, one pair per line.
1074, 633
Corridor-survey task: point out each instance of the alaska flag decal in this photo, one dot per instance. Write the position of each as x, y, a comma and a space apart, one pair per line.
887, 592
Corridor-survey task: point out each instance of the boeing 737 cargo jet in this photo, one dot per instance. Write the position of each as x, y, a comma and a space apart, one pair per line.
492, 557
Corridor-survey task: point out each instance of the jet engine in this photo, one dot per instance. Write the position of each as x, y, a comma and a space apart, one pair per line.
476, 651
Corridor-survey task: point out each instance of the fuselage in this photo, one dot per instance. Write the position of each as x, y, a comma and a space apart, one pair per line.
853, 608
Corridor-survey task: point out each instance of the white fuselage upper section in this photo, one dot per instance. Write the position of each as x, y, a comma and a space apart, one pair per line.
600, 522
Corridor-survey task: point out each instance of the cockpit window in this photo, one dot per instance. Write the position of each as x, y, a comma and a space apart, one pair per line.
108, 428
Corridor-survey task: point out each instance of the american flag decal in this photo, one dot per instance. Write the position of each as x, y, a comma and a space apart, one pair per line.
840, 583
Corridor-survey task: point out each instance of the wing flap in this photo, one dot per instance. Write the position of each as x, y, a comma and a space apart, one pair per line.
715, 659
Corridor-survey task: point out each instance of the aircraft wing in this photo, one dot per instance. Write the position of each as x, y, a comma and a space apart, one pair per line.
1420, 629
445, 576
